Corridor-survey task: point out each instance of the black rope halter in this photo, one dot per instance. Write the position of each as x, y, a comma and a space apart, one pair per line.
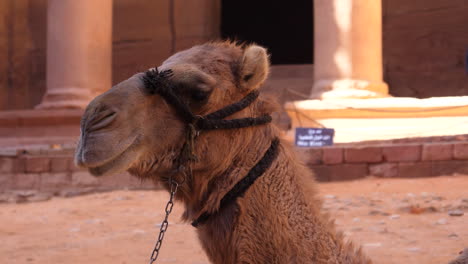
157, 82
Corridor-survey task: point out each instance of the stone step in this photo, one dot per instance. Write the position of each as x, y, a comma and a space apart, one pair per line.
356, 120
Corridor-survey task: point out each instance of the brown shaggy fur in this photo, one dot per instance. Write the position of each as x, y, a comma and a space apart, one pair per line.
278, 220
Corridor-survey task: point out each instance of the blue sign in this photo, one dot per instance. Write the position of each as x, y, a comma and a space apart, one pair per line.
314, 137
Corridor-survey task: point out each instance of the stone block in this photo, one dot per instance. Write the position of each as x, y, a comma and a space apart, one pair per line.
55, 181
402, 153
449, 167
27, 181
414, 169
387, 170
460, 151
37, 164
332, 155
119, 181
124, 181
341, 172
59, 164
7, 165
19, 165
84, 179
437, 151
6, 181
310, 156
321, 172
73, 167
363, 155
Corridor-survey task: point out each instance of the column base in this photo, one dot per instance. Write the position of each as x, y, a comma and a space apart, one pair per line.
66, 98
348, 88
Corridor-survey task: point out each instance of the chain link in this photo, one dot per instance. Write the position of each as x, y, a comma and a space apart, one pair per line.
165, 223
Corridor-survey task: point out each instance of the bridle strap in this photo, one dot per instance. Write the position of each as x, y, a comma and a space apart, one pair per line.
233, 108
158, 82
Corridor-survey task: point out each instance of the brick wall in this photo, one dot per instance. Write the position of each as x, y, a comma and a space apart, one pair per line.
52, 171
407, 160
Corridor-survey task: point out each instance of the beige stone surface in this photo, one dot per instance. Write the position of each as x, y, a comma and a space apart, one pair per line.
382, 118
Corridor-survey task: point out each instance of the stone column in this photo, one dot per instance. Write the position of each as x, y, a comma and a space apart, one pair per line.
348, 49
79, 50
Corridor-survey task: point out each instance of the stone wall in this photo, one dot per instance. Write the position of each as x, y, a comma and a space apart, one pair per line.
142, 36
424, 43
22, 53
424, 47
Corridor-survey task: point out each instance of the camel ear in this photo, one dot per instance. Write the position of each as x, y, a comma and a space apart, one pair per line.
254, 68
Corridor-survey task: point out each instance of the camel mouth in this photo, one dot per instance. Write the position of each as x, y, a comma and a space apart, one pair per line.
116, 164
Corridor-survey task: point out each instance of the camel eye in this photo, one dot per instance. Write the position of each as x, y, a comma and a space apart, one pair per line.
200, 96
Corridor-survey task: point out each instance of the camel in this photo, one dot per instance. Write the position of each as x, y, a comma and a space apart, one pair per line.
140, 127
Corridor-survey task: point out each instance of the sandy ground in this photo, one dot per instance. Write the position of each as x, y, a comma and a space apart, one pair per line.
395, 220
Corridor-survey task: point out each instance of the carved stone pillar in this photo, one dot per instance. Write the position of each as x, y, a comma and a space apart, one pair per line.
79, 50
348, 49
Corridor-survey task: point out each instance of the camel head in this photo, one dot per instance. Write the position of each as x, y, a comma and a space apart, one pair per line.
127, 128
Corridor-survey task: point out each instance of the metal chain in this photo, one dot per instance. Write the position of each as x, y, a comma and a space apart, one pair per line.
165, 224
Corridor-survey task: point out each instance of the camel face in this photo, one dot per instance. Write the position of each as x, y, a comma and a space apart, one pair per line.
126, 128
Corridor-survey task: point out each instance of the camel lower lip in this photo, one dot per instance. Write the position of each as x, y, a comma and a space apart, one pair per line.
110, 165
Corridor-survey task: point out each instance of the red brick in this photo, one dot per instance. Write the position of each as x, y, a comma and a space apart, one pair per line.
7, 165
414, 169
60, 164
19, 165
124, 181
27, 181
363, 155
442, 151
321, 172
55, 181
37, 164
460, 150
387, 170
341, 172
6, 181
310, 156
332, 155
84, 179
449, 167
402, 153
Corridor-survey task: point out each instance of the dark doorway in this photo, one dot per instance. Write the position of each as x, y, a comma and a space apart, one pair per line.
285, 28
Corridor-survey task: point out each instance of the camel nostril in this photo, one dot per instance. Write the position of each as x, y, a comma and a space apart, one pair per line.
102, 120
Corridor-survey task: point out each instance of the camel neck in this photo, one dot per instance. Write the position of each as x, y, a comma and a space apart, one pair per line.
243, 185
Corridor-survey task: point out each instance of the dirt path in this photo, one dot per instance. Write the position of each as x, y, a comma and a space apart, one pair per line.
396, 221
